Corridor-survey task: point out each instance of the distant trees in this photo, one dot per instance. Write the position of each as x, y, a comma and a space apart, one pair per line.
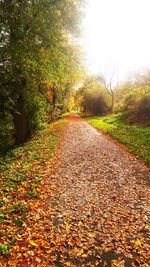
133, 97
101, 96
92, 97
110, 85
38, 58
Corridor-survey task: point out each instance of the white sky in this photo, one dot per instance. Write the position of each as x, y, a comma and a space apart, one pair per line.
116, 36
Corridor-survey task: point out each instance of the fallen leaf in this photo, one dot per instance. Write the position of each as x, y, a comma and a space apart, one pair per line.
33, 243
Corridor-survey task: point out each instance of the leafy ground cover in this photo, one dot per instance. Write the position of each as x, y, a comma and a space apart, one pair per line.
135, 137
22, 171
82, 207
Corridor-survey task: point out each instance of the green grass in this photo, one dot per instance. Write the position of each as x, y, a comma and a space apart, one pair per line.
135, 137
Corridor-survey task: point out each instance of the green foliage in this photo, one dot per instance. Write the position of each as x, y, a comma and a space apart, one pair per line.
4, 249
6, 131
37, 48
134, 137
92, 97
38, 111
132, 96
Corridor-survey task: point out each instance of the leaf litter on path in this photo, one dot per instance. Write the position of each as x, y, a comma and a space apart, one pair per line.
93, 208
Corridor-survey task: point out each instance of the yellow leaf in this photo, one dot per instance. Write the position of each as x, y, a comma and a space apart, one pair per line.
138, 243
19, 255
33, 243
68, 226
68, 263
80, 252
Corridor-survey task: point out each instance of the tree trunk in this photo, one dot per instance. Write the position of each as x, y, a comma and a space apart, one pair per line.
54, 98
20, 122
112, 102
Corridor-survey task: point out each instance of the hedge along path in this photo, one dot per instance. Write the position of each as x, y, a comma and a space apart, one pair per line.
93, 206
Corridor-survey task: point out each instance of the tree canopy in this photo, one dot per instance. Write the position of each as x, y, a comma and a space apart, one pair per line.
39, 62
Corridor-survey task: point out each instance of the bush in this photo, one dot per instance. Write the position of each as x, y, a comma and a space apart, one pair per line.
37, 113
95, 105
143, 109
130, 103
6, 131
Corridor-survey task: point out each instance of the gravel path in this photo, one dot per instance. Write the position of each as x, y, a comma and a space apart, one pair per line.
103, 191
94, 205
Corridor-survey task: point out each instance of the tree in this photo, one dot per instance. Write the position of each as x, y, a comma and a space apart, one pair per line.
92, 97
133, 97
36, 49
108, 81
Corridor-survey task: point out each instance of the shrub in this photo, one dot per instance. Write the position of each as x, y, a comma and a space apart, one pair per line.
130, 103
95, 105
143, 108
6, 131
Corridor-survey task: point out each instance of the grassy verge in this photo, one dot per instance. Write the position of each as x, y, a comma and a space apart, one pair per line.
21, 172
136, 138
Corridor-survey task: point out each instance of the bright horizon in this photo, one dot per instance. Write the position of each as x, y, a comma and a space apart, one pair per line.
116, 36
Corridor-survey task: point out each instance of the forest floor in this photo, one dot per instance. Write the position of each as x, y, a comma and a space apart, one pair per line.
92, 209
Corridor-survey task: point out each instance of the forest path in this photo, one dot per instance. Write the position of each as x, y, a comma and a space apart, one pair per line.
94, 206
